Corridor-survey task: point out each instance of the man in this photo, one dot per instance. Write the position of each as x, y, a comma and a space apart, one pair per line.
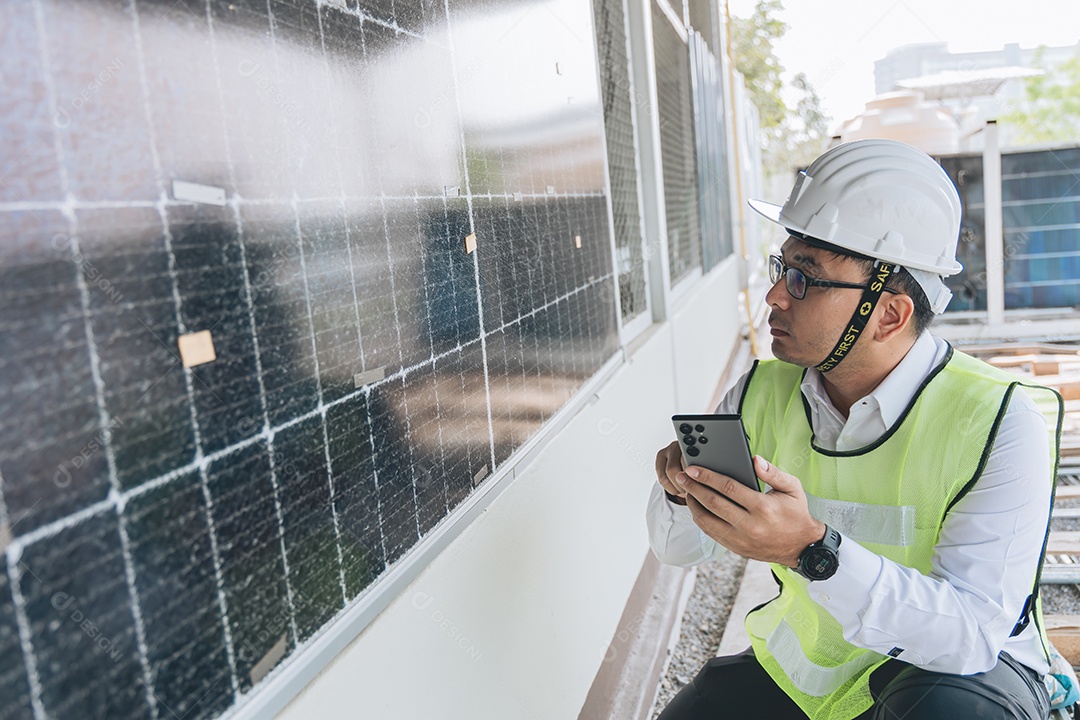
908, 485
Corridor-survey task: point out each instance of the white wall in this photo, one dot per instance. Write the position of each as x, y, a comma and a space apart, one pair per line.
705, 327
513, 619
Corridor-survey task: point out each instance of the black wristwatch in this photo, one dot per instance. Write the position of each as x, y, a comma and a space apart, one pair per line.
820, 560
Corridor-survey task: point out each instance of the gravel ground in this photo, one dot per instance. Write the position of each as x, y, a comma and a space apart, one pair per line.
703, 624
1063, 599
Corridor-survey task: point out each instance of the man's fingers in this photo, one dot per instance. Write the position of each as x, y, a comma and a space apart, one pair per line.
674, 460
712, 500
664, 474
727, 486
714, 525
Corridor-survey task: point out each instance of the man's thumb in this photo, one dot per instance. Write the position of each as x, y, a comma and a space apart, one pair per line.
770, 474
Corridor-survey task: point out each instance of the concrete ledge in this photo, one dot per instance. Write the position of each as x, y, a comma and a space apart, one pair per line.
757, 587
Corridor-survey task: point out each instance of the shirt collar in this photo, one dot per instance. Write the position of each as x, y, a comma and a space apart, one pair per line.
894, 393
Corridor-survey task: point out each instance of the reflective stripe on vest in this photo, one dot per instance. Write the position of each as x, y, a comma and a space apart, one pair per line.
881, 524
808, 676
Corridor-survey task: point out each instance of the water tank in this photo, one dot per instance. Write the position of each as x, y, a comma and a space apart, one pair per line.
904, 115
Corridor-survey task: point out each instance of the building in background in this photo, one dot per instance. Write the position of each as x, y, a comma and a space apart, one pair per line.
973, 86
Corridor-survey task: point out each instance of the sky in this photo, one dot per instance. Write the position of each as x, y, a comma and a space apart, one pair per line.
835, 42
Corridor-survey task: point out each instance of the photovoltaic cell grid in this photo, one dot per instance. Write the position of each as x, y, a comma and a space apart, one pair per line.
714, 194
611, 40
677, 146
1041, 217
169, 532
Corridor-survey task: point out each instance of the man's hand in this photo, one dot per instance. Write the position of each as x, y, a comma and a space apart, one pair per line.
669, 464
774, 526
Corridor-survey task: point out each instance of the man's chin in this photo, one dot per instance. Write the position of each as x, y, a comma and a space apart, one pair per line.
780, 354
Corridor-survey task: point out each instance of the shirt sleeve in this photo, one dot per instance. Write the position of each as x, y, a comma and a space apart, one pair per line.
673, 536
959, 617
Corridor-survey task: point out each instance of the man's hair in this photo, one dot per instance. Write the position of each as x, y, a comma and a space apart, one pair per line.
901, 281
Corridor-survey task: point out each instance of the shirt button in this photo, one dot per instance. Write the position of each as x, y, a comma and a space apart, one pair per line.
823, 599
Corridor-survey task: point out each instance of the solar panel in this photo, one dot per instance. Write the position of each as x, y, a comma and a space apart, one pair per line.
280, 284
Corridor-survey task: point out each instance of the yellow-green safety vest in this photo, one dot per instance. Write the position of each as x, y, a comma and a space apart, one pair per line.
891, 497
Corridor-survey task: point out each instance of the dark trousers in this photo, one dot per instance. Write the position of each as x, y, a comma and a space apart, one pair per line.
736, 687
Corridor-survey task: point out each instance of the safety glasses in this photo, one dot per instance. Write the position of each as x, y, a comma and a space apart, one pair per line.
796, 281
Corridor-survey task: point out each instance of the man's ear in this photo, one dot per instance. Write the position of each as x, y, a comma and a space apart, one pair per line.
896, 313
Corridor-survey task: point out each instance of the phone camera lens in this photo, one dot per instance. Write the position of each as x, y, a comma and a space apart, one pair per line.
689, 440
699, 428
692, 451
703, 439
685, 429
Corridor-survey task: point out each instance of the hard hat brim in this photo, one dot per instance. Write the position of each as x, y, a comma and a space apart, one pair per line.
769, 211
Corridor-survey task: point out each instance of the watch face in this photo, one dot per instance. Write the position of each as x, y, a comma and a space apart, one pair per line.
820, 563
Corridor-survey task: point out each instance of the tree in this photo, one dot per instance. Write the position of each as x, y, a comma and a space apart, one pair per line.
807, 139
752, 45
1051, 111
789, 139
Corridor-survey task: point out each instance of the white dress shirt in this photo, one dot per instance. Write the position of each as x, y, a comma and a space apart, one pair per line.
957, 618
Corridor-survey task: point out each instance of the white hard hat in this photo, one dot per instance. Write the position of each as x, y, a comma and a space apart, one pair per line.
883, 199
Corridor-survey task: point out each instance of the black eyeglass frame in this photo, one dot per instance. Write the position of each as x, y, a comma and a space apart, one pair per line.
779, 269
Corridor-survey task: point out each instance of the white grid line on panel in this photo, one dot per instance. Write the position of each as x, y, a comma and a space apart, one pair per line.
50, 94
352, 278
345, 199
333, 510
5, 518
318, 387
424, 259
348, 253
472, 229
25, 641
442, 446
363, 17
33, 681
375, 478
431, 352
270, 435
412, 481
144, 654
390, 269
431, 357
219, 578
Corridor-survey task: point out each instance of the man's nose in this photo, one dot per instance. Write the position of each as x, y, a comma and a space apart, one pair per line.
778, 295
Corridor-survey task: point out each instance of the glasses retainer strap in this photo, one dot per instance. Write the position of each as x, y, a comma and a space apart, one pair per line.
871, 294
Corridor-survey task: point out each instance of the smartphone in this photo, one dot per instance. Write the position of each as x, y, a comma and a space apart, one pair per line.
717, 443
